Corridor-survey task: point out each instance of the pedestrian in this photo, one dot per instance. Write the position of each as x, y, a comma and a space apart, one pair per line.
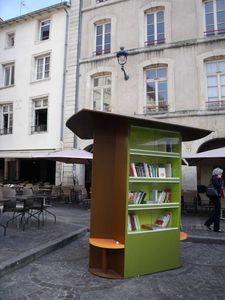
214, 218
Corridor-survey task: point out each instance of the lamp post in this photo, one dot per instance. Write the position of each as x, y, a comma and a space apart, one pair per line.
122, 59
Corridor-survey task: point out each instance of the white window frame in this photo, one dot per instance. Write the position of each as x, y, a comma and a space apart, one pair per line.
9, 80
37, 128
102, 89
103, 50
44, 69
154, 12
10, 39
42, 25
156, 106
216, 31
6, 109
216, 102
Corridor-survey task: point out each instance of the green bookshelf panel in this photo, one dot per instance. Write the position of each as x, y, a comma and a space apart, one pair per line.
154, 140
152, 252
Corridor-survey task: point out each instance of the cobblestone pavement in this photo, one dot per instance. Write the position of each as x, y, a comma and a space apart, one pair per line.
63, 274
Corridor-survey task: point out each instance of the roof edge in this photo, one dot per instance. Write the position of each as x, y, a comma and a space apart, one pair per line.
36, 12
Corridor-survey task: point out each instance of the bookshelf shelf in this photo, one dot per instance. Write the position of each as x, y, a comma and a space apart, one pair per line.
152, 231
153, 206
153, 148
151, 179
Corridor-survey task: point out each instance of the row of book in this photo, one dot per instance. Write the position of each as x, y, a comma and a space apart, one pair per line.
156, 196
161, 196
150, 170
136, 197
160, 222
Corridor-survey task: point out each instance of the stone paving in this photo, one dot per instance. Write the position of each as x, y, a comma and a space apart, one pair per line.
63, 273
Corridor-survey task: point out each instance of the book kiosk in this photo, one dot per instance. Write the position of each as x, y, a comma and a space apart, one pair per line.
136, 192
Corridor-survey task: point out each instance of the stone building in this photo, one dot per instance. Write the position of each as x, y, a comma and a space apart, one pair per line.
176, 63
37, 93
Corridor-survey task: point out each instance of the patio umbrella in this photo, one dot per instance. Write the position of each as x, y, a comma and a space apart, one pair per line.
214, 153
73, 156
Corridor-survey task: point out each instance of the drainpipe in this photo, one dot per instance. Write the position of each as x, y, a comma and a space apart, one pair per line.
64, 76
78, 66
76, 108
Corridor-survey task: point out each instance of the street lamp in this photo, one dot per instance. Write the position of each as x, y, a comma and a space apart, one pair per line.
122, 59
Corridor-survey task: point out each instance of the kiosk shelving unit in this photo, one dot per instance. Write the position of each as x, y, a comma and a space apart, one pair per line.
119, 245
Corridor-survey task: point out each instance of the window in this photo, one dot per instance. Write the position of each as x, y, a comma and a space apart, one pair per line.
155, 27
8, 73
40, 115
44, 30
215, 71
103, 38
102, 92
10, 40
6, 119
156, 89
214, 17
42, 67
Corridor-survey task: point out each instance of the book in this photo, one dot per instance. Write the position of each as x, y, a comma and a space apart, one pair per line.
147, 226
133, 170
162, 172
163, 220
168, 168
154, 196
133, 222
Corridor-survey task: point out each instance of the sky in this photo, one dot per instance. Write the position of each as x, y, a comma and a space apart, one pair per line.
13, 8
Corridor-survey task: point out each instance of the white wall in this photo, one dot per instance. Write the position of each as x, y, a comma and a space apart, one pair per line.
26, 48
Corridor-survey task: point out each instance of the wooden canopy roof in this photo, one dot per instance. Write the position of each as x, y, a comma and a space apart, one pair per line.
84, 123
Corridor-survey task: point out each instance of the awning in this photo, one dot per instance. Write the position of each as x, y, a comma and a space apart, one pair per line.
215, 153
210, 154
73, 156
23, 153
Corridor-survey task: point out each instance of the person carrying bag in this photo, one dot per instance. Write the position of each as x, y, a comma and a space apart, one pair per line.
214, 192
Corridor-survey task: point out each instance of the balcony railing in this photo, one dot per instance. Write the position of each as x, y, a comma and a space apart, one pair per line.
214, 32
39, 128
215, 105
4, 131
155, 42
103, 51
162, 107
100, 1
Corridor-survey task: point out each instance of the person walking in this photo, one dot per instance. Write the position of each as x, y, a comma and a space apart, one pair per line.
214, 218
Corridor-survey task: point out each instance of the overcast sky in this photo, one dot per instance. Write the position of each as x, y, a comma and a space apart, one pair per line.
13, 8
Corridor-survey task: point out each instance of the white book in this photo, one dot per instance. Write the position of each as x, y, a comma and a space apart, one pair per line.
162, 197
146, 170
162, 172
137, 222
168, 168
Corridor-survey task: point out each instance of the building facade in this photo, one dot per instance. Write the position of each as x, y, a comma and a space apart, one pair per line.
176, 62
36, 97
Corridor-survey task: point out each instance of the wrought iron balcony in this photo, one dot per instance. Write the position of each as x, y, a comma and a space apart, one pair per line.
155, 42
100, 1
103, 51
4, 131
161, 108
215, 105
39, 128
214, 32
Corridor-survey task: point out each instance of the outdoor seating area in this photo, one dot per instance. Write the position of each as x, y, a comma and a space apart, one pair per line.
30, 205
195, 201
